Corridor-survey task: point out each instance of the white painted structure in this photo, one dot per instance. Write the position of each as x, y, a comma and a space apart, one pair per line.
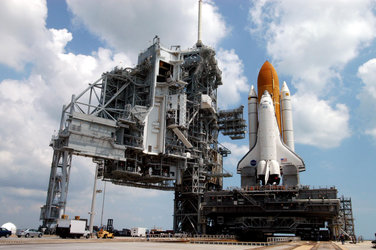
10, 226
252, 117
70, 228
138, 232
287, 124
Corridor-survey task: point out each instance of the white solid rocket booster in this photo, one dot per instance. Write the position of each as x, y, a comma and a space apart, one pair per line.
287, 125
252, 117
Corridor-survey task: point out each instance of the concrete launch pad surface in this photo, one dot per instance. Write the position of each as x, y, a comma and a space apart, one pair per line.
123, 243
129, 245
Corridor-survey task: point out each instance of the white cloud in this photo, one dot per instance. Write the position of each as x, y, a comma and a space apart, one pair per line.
317, 123
125, 32
35, 103
234, 81
30, 108
236, 149
367, 97
367, 73
130, 26
20, 30
371, 132
25, 193
312, 44
6, 158
237, 152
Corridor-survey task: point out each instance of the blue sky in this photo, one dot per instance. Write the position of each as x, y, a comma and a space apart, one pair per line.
325, 51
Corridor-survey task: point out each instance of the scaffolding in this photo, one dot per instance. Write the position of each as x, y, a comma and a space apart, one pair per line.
346, 219
231, 123
153, 126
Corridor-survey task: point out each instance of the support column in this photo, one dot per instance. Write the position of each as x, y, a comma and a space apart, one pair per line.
57, 188
91, 220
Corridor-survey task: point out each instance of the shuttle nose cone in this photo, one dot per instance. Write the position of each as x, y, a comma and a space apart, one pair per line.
266, 98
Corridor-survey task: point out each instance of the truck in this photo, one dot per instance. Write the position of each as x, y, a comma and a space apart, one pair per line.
138, 232
66, 228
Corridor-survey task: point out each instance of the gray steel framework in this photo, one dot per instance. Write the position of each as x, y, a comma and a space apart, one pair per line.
153, 126
58, 187
262, 211
231, 123
346, 218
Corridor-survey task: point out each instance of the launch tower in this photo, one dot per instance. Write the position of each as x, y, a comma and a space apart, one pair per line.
154, 126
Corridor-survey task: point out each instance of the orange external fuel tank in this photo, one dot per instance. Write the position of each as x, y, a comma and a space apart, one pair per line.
268, 80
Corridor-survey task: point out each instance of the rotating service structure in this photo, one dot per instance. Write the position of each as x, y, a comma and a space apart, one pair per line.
153, 126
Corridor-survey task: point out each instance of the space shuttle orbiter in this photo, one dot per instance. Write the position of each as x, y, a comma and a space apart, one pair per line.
271, 156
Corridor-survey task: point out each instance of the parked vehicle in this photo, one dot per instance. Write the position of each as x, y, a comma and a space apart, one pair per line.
104, 234
124, 232
71, 228
28, 233
5, 232
138, 232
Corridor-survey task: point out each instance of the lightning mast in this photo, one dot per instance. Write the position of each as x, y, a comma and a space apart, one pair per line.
199, 42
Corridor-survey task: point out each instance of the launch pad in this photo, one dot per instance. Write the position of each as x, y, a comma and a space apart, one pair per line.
156, 126
259, 212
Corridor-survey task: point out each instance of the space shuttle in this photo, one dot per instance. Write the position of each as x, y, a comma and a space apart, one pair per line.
271, 157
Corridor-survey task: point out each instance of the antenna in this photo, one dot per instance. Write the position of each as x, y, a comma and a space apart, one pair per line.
199, 42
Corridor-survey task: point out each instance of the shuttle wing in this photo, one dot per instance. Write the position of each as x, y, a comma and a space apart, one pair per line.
251, 158
288, 157
284, 154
